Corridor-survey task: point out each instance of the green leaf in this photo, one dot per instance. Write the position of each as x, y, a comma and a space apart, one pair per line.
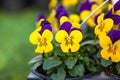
51, 62
106, 63
86, 60
77, 71
36, 59
36, 65
61, 74
70, 62
118, 67
92, 68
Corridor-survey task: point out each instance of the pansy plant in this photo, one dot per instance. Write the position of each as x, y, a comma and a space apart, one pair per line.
68, 37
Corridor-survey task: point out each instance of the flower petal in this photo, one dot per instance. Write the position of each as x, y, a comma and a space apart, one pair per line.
75, 47
104, 53
104, 41
63, 19
48, 47
66, 26
39, 49
100, 18
84, 14
116, 57
108, 24
47, 34
34, 36
60, 35
46, 27
114, 35
74, 18
76, 35
65, 48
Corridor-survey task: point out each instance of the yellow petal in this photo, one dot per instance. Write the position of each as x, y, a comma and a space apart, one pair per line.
108, 24
53, 4
84, 14
97, 30
48, 47
65, 48
34, 36
63, 19
47, 34
75, 47
110, 6
39, 22
74, 18
76, 35
100, 18
60, 36
105, 41
115, 57
75, 25
39, 49
90, 22
117, 12
104, 53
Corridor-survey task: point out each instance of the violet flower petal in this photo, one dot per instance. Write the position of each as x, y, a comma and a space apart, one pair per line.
95, 19
114, 35
48, 26
66, 26
76, 29
117, 6
40, 16
85, 6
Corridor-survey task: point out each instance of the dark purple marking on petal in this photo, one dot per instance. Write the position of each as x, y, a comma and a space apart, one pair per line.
41, 15
44, 23
117, 6
96, 17
114, 35
85, 6
66, 26
48, 26
76, 29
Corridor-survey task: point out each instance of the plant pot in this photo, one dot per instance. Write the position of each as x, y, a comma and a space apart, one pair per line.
35, 75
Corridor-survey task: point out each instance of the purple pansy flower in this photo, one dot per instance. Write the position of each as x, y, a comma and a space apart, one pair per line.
85, 6
114, 35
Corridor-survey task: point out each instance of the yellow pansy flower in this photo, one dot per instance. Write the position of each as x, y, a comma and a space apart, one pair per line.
68, 39
104, 25
43, 41
110, 51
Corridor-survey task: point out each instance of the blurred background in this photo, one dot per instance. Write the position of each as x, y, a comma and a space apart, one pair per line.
17, 21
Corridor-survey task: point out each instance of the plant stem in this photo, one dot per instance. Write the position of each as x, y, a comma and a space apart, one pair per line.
94, 12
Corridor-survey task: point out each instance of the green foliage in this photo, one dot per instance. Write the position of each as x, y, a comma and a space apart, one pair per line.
106, 63
51, 62
59, 75
70, 62
78, 70
118, 67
